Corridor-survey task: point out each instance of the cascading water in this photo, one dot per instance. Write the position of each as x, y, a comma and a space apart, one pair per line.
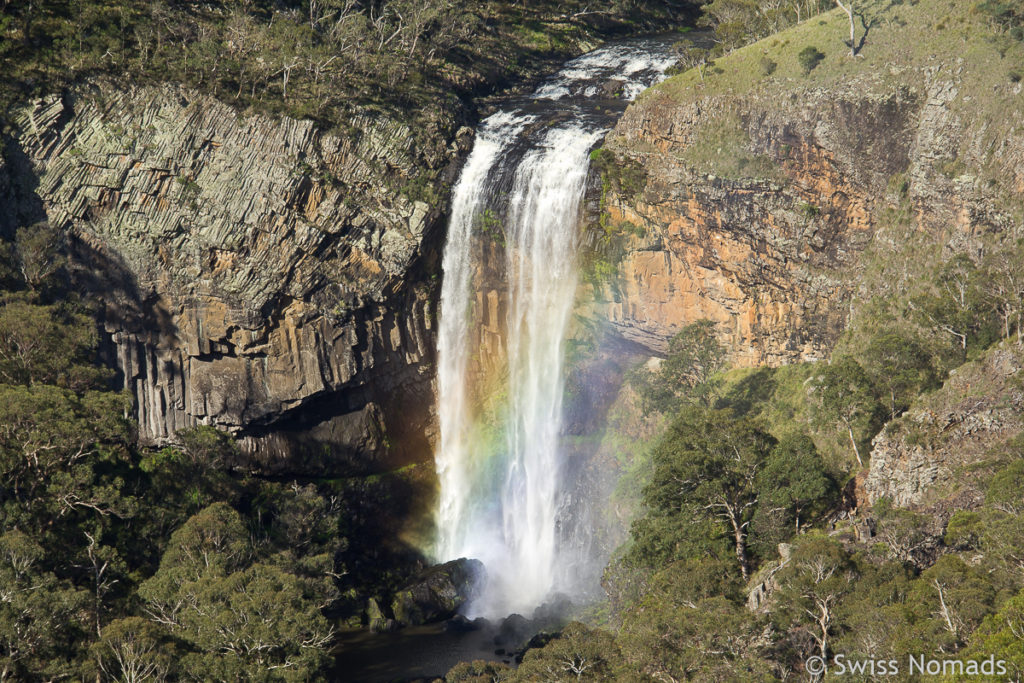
503, 497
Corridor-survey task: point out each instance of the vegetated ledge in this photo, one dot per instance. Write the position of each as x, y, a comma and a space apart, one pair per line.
765, 185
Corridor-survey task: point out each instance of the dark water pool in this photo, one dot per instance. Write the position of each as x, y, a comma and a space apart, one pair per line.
414, 653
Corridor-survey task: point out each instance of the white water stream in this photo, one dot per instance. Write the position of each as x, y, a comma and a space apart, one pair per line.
502, 497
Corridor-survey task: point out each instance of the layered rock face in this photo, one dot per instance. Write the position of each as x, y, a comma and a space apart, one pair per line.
770, 252
923, 459
250, 267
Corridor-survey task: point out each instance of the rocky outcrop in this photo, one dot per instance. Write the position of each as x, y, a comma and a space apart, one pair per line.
923, 458
438, 592
259, 275
769, 247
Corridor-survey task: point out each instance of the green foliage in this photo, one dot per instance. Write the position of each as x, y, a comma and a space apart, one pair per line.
626, 176
48, 344
844, 396
326, 60
691, 56
946, 604
818, 576
207, 447
39, 255
133, 648
490, 224
242, 618
809, 211
479, 671
957, 305
58, 450
578, 653
900, 368
40, 615
809, 58
686, 375
706, 468
1000, 636
1008, 15
999, 536
1004, 490
710, 639
795, 484
738, 22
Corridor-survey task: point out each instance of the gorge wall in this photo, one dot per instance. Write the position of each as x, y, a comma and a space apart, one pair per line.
769, 200
258, 275
757, 207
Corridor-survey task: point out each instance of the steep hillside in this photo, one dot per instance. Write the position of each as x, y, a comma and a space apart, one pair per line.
765, 183
819, 256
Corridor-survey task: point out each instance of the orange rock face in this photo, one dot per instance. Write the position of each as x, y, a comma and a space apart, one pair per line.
767, 259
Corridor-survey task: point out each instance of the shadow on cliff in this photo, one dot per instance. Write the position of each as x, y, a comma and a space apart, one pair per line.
99, 278
18, 182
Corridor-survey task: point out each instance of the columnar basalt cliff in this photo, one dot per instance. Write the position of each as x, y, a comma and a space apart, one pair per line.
768, 246
250, 267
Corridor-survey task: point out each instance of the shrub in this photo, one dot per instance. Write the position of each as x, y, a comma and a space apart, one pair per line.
809, 58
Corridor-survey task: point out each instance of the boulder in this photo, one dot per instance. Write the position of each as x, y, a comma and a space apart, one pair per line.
515, 630
438, 592
378, 621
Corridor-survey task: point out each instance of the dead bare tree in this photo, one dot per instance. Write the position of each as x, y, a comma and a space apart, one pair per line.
849, 12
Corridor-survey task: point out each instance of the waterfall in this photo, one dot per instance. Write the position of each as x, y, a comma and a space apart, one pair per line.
503, 496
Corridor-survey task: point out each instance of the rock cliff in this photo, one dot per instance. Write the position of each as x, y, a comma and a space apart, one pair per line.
925, 458
258, 275
757, 204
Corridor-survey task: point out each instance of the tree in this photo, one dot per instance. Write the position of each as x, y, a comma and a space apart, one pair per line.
710, 639
999, 538
692, 56
900, 368
795, 480
244, 618
809, 58
1001, 636
874, 615
578, 653
39, 249
957, 306
901, 531
133, 650
39, 613
208, 448
54, 440
1004, 490
812, 585
735, 22
479, 671
707, 464
48, 344
687, 373
848, 8
947, 603
1004, 271
844, 395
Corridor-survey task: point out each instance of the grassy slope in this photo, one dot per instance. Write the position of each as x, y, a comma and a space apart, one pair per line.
904, 42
